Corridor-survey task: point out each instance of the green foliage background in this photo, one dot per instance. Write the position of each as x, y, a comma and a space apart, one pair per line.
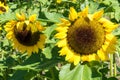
47, 64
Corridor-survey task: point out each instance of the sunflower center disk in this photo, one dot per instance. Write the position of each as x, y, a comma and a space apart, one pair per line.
2, 9
85, 39
26, 37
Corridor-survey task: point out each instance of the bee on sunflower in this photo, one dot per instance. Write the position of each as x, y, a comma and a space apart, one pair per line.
85, 37
26, 34
3, 8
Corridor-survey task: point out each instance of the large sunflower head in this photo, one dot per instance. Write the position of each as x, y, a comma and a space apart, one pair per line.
85, 37
3, 8
26, 34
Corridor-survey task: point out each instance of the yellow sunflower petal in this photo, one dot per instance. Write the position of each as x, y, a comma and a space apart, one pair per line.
42, 38
33, 28
16, 44
84, 57
76, 59
10, 25
29, 50
109, 26
62, 43
111, 37
32, 18
40, 45
84, 13
61, 35
104, 21
69, 54
20, 48
9, 29
20, 25
35, 49
93, 57
98, 15
64, 23
9, 35
39, 27
41, 42
73, 14
61, 29
103, 56
63, 51
109, 46
90, 57
20, 17
23, 49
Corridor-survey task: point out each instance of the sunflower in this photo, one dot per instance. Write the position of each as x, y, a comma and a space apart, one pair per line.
85, 37
26, 35
3, 8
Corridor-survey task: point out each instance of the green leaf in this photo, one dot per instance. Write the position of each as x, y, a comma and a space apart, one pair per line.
48, 64
2, 66
107, 2
47, 52
117, 16
34, 58
43, 1
93, 6
51, 51
117, 31
80, 72
112, 78
55, 17
10, 61
7, 16
26, 67
34, 64
23, 75
5, 42
48, 32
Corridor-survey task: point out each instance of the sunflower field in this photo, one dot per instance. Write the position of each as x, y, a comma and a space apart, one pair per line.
59, 40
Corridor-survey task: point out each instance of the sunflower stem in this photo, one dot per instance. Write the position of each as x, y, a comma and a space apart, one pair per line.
114, 64
52, 74
111, 65
19, 3
4, 2
57, 7
79, 4
40, 7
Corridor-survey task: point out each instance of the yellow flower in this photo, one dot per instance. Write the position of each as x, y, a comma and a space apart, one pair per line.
85, 37
26, 35
3, 8
59, 1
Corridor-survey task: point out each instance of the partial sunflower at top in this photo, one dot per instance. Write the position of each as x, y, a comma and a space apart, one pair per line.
3, 8
85, 37
26, 35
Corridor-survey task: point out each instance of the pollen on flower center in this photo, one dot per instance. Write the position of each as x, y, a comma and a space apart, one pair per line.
2, 9
26, 37
85, 39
